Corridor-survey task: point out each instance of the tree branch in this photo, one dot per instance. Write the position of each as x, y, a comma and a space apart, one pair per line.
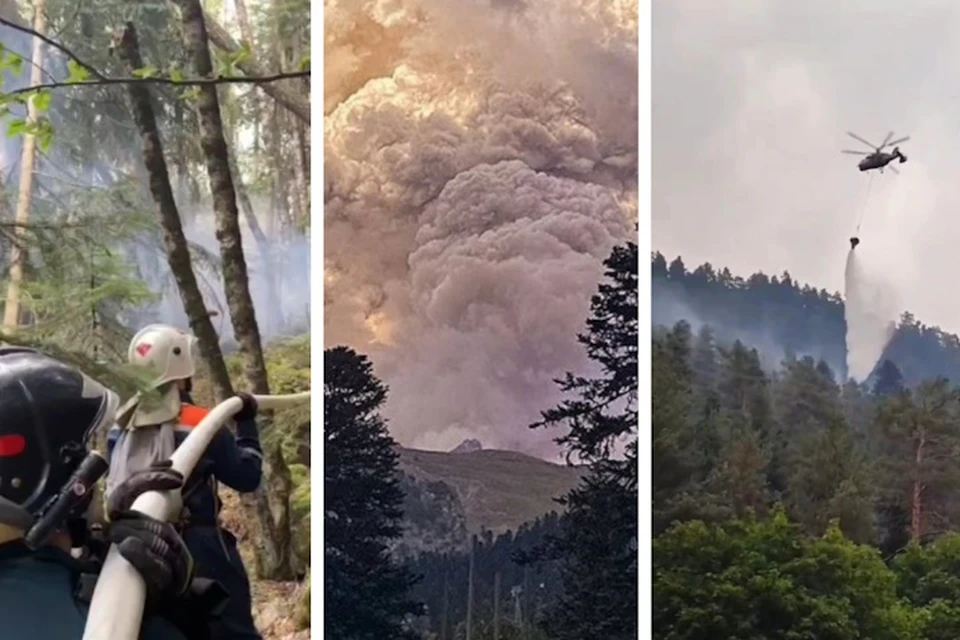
56, 45
293, 101
187, 82
102, 79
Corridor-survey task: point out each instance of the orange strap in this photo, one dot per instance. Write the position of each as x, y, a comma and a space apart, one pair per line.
191, 415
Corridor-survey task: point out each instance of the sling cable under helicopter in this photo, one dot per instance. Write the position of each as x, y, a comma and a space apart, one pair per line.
878, 159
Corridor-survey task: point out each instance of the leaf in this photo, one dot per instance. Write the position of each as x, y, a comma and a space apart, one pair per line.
16, 128
15, 63
241, 55
176, 75
41, 100
224, 68
145, 72
304, 64
76, 73
191, 94
45, 135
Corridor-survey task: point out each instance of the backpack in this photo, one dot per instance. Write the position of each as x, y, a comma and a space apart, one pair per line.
138, 449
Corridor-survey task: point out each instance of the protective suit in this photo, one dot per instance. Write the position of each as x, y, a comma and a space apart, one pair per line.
49, 412
150, 432
40, 597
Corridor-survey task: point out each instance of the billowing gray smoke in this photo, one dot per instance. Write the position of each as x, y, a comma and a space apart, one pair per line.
281, 294
480, 165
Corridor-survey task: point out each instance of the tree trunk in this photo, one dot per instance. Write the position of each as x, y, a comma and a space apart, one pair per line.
275, 556
496, 606
302, 164
175, 242
444, 621
11, 312
243, 19
263, 244
473, 551
246, 34
525, 609
916, 506
280, 182
296, 104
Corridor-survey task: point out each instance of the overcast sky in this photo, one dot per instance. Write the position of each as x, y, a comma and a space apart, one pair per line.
751, 102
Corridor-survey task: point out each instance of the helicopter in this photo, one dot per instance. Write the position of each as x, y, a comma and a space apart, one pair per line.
879, 159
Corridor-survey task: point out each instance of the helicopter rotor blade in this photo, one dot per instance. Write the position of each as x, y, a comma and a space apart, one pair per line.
859, 139
886, 140
855, 153
896, 142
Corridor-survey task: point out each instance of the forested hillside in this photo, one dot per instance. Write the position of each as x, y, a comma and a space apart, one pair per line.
779, 316
786, 501
512, 583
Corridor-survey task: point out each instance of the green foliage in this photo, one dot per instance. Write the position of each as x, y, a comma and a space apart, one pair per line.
41, 100
855, 467
929, 578
145, 72
10, 61
76, 73
767, 579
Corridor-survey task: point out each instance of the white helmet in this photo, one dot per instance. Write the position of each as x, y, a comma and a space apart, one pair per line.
166, 351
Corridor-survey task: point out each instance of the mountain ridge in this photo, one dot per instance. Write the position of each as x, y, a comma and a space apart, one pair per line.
451, 496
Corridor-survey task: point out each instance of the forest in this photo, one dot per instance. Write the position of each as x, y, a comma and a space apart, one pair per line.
141, 183
570, 575
780, 316
787, 501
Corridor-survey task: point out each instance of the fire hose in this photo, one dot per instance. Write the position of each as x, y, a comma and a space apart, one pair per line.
116, 609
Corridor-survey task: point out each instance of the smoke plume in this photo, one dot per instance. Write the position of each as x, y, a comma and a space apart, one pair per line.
480, 164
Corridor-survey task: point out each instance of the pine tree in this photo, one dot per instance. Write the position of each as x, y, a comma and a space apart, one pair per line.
366, 593
599, 540
920, 436
826, 475
888, 380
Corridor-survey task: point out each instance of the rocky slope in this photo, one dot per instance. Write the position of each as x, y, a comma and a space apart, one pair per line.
452, 495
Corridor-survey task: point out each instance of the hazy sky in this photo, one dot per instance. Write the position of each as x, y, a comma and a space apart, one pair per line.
751, 102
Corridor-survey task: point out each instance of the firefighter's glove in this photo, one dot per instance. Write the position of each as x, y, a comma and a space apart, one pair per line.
157, 477
153, 547
249, 410
156, 551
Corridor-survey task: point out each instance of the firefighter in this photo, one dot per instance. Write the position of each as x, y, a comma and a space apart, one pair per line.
49, 413
150, 432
